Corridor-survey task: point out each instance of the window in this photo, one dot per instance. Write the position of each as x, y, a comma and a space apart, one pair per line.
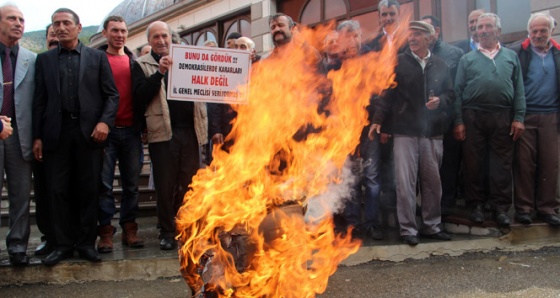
205, 36
319, 11
241, 26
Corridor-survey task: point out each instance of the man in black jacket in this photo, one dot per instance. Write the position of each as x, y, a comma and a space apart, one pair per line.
420, 106
451, 162
75, 104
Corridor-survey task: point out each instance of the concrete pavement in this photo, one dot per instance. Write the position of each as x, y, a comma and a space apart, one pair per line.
150, 263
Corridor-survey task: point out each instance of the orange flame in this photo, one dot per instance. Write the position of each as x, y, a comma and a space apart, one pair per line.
231, 211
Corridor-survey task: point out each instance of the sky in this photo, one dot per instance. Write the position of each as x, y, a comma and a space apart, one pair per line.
37, 13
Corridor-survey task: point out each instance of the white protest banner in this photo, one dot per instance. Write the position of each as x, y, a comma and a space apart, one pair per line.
209, 74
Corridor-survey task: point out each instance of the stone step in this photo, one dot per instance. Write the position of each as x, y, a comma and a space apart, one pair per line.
150, 263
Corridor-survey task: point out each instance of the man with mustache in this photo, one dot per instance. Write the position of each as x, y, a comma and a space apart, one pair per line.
16, 98
285, 39
535, 166
419, 106
75, 104
389, 17
42, 213
489, 111
52, 40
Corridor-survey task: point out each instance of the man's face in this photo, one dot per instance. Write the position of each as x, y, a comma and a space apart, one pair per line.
116, 34
65, 27
418, 41
473, 18
160, 39
388, 17
350, 42
437, 29
280, 30
331, 46
243, 45
230, 43
539, 32
12, 24
145, 50
487, 33
52, 40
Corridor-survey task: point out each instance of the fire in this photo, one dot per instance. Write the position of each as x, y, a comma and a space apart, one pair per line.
235, 239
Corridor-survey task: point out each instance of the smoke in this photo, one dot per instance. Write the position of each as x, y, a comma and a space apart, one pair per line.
340, 190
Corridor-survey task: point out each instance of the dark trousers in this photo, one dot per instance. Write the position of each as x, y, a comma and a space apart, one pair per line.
42, 207
18, 178
174, 163
488, 133
367, 174
73, 171
535, 168
123, 144
449, 171
388, 197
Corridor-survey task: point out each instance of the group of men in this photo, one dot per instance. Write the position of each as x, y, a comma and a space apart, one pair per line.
77, 110
478, 108
69, 114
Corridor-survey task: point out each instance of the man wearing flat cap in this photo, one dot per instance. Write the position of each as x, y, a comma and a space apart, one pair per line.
419, 107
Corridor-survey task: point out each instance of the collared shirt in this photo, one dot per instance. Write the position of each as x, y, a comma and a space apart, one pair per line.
492, 53
13, 55
422, 61
541, 53
69, 69
389, 36
474, 45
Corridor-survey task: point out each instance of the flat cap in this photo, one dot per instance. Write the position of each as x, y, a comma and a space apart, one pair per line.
422, 26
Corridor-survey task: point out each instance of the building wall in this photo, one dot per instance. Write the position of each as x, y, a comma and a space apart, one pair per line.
186, 16
260, 11
551, 7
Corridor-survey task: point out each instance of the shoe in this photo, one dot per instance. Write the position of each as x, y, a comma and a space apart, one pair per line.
477, 216
375, 233
89, 254
501, 218
410, 240
550, 219
167, 243
438, 236
105, 244
129, 235
524, 218
43, 249
19, 259
56, 257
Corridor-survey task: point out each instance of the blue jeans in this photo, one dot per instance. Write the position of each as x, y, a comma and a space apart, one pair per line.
124, 145
369, 178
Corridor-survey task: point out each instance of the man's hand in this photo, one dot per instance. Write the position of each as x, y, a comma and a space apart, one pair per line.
7, 130
38, 149
459, 132
218, 139
384, 138
165, 63
517, 129
373, 129
433, 103
100, 132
